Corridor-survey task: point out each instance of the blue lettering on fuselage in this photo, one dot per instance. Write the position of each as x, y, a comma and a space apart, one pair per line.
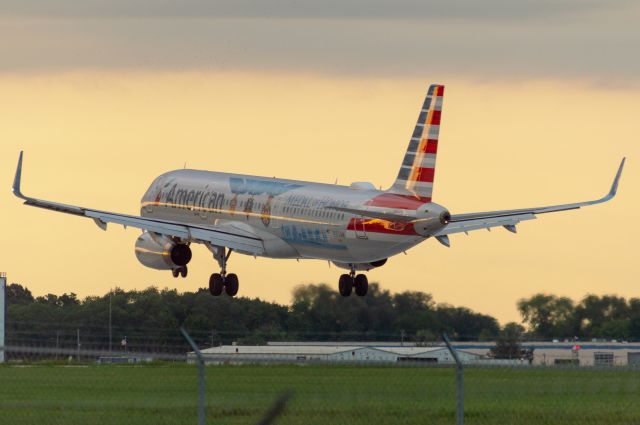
308, 236
254, 187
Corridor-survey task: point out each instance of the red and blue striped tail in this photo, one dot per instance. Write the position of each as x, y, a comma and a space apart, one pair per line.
416, 174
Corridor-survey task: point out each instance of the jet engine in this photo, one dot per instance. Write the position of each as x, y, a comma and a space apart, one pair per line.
362, 267
161, 253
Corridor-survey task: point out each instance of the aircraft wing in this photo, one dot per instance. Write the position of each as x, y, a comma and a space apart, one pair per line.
230, 238
509, 218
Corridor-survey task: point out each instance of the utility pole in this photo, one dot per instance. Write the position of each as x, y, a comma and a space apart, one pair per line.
402, 338
57, 343
78, 348
3, 316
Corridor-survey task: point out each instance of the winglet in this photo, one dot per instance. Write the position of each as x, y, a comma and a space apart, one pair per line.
17, 178
612, 191
614, 186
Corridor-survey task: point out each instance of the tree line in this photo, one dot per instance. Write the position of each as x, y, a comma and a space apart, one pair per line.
151, 318
607, 316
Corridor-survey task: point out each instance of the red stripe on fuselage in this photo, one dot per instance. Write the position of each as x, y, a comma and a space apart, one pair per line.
380, 226
403, 202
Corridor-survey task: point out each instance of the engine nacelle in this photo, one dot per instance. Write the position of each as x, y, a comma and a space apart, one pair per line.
362, 267
161, 253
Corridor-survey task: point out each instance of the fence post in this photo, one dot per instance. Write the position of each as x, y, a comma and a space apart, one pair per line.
459, 382
200, 375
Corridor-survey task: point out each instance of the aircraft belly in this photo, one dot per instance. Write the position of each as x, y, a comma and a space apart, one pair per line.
358, 250
377, 247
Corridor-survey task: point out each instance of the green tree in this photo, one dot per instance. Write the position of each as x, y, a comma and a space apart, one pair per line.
508, 342
549, 316
415, 311
634, 319
18, 294
464, 323
607, 316
425, 338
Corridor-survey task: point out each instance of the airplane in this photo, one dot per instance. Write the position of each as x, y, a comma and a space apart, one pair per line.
355, 227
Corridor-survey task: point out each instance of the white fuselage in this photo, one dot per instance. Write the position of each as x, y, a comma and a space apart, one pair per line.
290, 216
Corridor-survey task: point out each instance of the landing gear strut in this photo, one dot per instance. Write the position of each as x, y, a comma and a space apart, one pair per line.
219, 281
351, 281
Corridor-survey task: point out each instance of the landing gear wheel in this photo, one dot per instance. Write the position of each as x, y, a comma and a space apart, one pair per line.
361, 285
231, 284
183, 271
175, 272
345, 285
216, 283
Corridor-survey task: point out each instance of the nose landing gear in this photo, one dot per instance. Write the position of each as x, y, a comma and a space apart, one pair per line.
180, 271
219, 281
348, 282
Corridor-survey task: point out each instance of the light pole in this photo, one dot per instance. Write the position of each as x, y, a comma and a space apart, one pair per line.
78, 347
3, 289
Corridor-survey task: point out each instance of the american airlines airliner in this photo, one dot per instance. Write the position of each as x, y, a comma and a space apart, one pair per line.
356, 227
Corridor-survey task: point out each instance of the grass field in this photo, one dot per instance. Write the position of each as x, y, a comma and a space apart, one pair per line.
322, 394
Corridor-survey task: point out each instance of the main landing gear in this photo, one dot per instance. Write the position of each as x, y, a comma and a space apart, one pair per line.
351, 281
219, 281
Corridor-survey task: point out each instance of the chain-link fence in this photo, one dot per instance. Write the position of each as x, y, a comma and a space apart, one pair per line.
71, 381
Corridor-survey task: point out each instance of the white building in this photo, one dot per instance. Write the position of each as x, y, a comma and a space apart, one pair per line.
596, 353
582, 353
326, 353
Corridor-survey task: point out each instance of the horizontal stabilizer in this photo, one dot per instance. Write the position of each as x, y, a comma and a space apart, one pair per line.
484, 223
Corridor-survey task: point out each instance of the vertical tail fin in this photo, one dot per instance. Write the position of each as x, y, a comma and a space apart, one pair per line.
415, 177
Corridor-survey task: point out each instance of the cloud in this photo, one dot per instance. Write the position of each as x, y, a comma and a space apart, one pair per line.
300, 9
494, 39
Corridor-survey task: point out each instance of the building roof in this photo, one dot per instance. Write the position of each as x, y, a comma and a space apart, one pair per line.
277, 350
345, 343
560, 345
410, 351
309, 350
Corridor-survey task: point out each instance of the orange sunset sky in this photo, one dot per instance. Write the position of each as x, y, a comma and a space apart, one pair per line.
539, 108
